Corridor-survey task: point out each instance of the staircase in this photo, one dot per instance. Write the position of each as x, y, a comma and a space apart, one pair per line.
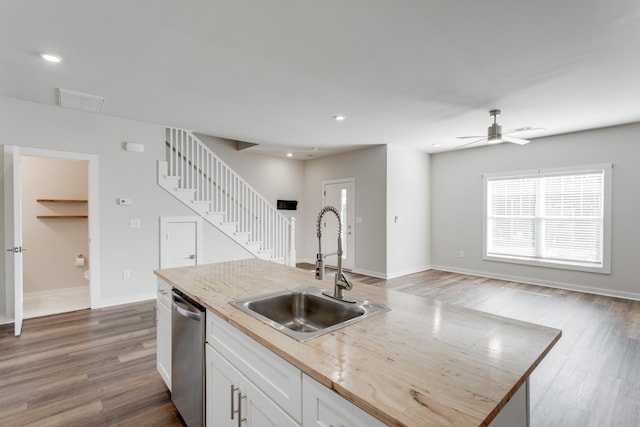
202, 181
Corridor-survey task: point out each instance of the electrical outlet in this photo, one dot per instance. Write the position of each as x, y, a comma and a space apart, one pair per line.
126, 274
134, 223
461, 254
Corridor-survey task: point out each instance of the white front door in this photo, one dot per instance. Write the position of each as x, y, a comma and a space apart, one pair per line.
340, 195
13, 231
181, 241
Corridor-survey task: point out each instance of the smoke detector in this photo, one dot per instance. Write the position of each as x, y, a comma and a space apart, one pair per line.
80, 101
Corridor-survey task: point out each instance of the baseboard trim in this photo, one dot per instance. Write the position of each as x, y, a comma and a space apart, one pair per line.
109, 302
375, 274
401, 273
545, 283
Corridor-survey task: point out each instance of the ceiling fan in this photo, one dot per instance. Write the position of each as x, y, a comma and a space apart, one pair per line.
495, 134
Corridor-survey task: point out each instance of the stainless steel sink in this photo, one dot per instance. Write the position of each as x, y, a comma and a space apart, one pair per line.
305, 313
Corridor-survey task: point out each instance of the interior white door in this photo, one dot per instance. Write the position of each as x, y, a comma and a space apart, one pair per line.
340, 195
13, 230
182, 244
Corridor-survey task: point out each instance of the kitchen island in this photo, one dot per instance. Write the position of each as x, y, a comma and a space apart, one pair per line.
423, 363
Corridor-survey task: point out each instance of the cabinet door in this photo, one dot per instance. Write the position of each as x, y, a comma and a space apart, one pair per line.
222, 386
260, 411
164, 343
323, 407
233, 400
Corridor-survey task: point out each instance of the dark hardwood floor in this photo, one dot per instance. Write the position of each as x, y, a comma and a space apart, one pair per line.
84, 368
97, 368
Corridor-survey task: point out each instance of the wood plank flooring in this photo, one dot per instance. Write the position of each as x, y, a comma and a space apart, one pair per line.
97, 368
84, 368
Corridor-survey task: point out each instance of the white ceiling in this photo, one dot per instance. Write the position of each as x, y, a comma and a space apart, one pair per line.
275, 72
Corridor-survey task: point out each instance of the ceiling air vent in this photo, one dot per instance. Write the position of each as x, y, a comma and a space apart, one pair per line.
81, 101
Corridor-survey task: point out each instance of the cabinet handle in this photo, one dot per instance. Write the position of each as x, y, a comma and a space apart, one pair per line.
155, 315
233, 391
240, 419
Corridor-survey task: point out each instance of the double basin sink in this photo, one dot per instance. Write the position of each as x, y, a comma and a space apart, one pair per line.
305, 313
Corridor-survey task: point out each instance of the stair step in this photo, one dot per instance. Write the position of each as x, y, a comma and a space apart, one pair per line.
185, 190
229, 227
215, 218
265, 254
242, 236
202, 203
254, 246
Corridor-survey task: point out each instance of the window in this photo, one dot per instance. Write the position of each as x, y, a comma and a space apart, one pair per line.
555, 218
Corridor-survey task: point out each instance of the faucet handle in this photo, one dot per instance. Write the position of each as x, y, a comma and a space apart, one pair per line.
347, 284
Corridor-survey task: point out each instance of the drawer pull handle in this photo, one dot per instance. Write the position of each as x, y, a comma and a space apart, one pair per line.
240, 419
233, 391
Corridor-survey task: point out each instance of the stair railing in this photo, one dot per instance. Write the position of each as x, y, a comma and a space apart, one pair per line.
213, 181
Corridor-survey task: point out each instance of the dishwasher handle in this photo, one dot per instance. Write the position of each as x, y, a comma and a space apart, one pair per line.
182, 308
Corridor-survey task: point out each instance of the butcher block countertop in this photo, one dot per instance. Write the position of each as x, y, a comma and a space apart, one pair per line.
422, 363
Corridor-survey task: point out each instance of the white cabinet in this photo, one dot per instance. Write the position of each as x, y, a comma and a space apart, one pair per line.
233, 400
163, 327
270, 373
323, 407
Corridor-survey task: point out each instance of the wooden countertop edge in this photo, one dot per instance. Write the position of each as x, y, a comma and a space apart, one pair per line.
522, 380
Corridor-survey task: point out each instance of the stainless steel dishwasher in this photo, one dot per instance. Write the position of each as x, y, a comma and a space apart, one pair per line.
187, 358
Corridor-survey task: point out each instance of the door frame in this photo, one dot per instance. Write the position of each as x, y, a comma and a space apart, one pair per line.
93, 210
351, 215
165, 220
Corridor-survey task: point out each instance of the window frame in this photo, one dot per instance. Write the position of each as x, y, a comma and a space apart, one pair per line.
604, 268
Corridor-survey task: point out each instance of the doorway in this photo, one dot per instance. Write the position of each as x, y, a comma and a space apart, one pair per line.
180, 241
55, 194
15, 248
339, 193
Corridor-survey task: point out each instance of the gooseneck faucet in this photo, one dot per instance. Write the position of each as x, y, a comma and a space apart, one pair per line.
341, 282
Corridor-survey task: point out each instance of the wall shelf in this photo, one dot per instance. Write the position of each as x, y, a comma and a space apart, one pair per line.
61, 216
60, 201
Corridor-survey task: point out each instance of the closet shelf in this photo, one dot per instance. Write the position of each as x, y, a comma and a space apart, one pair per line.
61, 216
60, 201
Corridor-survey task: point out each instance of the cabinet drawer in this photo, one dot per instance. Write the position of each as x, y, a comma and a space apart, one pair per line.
276, 377
324, 407
164, 293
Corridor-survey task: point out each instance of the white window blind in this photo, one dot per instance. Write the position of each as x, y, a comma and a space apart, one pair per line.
554, 217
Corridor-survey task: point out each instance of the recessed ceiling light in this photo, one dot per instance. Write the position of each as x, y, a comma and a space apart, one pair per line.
289, 154
51, 57
339, 118
435, 145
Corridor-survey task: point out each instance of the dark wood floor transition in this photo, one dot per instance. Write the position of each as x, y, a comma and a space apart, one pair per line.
97, 367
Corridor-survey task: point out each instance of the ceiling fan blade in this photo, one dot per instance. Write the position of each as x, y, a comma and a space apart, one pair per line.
470, 143
515, 140
470, 136
524, 129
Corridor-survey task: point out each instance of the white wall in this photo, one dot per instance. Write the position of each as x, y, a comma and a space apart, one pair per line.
456, 180
369, 168
121, 174
408, 199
